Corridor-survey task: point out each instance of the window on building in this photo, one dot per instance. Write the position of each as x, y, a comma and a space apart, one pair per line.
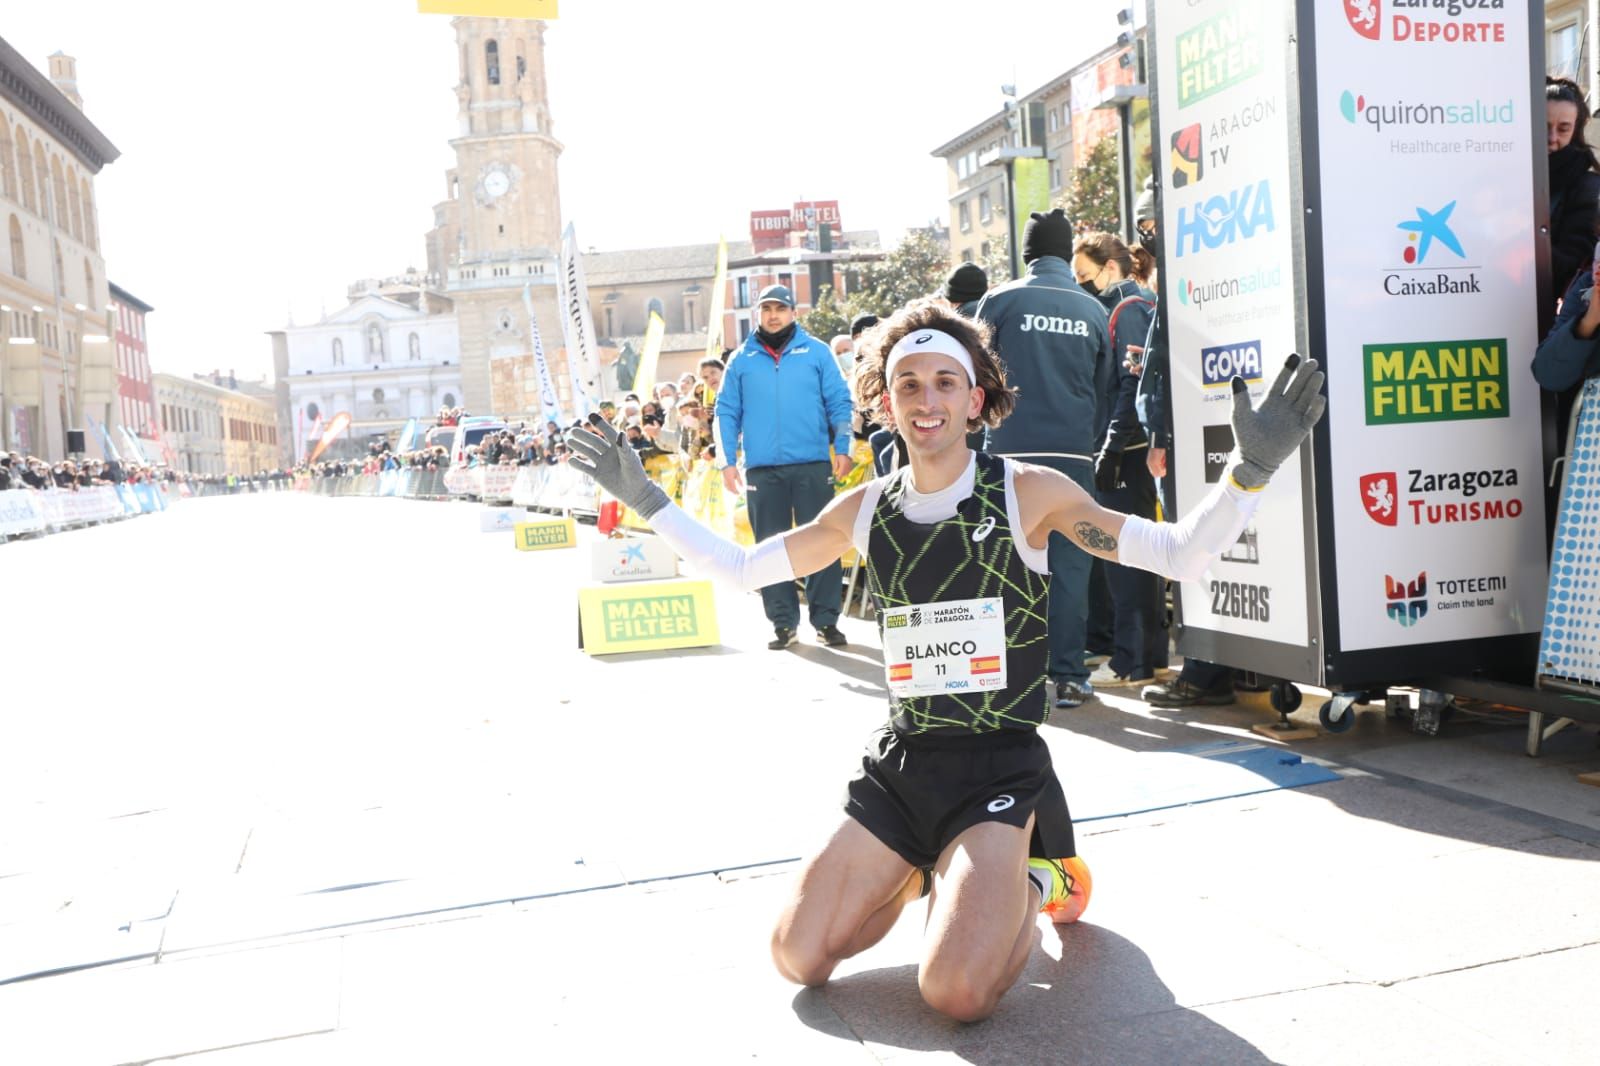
414, 345
491, 57
787, 281
961, 168
74, 208
1562, 51
611, 322
377, 395
688, 316
41, 174
984, 251
985, 210
25, 169
1051, 120
19, 257
338, 352
966, 255
964, 213
1055, 176
8, 162
88, 283
744, 329
654, 306
741, 292
90, 236
522, 68
374, 340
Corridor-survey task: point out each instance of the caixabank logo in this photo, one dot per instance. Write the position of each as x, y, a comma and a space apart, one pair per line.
1435, 381
1422, 497
1432, 256
1429, 21
1220, 220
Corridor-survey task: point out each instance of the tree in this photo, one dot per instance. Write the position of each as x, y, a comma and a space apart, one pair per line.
915, 269
828, 316
997, 264
1092, 201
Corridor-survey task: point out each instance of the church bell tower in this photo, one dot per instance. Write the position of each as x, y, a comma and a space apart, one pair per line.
499, 230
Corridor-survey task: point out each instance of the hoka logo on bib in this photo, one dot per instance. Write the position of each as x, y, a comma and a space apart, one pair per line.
1050, 324
1223, 219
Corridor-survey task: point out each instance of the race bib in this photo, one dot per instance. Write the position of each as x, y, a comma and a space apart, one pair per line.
951, 646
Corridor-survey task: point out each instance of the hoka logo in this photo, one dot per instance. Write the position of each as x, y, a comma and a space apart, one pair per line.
1408, 601
1223, 219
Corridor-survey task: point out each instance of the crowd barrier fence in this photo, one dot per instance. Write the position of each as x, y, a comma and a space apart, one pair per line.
28, 511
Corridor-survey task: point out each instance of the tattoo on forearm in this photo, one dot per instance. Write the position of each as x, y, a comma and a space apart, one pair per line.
1094, 538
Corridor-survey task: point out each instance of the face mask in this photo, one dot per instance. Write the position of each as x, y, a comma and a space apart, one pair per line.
1147, 240
1090, 287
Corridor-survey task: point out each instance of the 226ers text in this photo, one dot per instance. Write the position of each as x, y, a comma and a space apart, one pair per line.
1237, 599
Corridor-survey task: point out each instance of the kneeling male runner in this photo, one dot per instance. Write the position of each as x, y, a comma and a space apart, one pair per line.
956, 797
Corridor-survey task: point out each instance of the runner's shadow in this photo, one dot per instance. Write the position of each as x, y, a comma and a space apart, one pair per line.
1090, 997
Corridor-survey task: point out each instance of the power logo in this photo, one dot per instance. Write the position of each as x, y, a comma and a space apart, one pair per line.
1407, 601
1219, 446
1188, 161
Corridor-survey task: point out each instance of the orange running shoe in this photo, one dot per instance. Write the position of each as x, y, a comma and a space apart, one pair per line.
1070, 885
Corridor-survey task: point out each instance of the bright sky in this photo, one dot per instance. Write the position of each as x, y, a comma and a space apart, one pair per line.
268, 162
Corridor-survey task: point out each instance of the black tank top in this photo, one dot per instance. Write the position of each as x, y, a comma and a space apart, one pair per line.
911, 563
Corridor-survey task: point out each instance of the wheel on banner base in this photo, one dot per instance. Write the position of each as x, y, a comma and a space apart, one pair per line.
1338, 714
1285, 697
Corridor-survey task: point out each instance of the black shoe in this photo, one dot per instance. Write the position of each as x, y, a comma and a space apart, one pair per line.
831, 636
1071, 694
782, 638
1179, 693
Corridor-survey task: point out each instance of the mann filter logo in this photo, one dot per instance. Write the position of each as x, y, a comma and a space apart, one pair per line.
1435, 381
1385, 115
1219, 365
1219, 52
896, 621
1188, 157
1406, 601
1225, 218
650, 618
1219, 446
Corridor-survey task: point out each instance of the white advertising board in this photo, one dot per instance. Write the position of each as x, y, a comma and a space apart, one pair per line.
1228, 225
632, 559
1429, 259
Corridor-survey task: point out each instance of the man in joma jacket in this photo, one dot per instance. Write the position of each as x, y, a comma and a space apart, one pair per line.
1053, 338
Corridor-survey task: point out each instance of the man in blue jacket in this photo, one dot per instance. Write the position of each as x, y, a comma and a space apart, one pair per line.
1056, 346
782, 403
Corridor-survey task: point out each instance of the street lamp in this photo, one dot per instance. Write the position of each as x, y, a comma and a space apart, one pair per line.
1122, 98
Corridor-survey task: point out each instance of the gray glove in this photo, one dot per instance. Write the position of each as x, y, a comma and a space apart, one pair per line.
1268, 436
614, 465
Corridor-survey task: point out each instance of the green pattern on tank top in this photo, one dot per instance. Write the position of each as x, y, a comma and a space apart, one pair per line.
910, 562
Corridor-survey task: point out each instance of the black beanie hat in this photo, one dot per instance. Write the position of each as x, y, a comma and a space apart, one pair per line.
862, 323
966, 283
1047, 234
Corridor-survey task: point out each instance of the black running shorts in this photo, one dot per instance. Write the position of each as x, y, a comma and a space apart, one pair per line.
918, 792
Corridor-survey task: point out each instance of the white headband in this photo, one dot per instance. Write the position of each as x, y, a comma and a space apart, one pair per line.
929, 340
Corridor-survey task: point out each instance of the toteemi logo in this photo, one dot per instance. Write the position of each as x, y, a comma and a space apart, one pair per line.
1427, 227
1379, 495
1407, 601
1188, 160
1366, 17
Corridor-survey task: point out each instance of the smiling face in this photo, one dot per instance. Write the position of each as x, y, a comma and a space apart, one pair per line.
930, 402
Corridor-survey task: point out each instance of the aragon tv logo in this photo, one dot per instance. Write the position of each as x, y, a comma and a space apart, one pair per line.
1406, 602
1188, 157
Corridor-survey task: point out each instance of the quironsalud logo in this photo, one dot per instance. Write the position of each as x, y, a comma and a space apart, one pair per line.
1407, 601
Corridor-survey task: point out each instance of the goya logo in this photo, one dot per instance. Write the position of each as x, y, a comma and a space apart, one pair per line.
1355, 107
1219, 365
1406, 602
1188, 157
1219, 52
1435, 381
1225, 218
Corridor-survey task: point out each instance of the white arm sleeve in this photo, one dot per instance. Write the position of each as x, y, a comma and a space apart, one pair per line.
1184, 550
746, 569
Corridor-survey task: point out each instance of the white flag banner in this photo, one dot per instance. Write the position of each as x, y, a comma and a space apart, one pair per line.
577, 328
549, 401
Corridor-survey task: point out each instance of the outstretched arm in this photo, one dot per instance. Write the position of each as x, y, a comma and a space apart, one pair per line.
601, 454
1184, 549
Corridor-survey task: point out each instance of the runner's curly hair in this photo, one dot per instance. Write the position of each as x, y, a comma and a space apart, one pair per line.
931, 313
